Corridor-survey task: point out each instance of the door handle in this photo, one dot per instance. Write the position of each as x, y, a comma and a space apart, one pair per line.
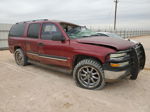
40, 44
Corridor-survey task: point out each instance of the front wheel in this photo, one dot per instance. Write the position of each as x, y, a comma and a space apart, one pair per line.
88, 74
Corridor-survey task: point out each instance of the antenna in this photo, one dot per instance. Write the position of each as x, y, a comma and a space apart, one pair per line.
115, 17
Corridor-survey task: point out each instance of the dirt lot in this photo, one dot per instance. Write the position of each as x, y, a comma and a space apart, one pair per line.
37, 89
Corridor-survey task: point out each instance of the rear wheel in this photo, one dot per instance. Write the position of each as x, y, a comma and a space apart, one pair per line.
20, 57
89, 74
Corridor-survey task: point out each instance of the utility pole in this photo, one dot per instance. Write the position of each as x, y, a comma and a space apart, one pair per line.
115, 18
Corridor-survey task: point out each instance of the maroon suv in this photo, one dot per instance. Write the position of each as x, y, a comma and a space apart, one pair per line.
93, 59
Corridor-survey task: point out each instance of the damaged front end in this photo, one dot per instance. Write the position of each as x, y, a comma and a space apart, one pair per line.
125, 63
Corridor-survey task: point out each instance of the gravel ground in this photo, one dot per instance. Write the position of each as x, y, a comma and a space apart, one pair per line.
37, 89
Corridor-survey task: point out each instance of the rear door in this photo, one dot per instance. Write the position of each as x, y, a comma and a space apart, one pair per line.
32, 40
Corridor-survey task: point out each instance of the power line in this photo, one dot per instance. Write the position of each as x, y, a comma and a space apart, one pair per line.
115, 17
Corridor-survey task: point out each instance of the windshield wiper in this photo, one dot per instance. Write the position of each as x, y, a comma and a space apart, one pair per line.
85, 36
95, 35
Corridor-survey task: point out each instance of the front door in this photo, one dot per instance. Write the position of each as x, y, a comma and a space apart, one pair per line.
50, 51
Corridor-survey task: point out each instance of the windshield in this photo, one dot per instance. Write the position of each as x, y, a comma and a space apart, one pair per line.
80, 32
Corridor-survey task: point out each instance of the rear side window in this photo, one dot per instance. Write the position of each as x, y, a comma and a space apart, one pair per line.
17, 30
33, 30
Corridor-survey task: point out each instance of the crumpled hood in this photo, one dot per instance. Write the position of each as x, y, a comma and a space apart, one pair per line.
118, 44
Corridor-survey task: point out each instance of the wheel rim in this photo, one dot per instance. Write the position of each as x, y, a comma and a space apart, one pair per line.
89, 76
19, 58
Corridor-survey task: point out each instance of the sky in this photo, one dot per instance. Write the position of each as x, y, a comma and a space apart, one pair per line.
131, 13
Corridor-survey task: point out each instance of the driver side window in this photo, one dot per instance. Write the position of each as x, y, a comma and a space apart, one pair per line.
49, 31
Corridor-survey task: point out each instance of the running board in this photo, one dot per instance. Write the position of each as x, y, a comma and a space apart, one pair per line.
51, 67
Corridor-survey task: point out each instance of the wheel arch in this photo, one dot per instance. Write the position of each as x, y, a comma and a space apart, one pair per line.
17, 47
79, 57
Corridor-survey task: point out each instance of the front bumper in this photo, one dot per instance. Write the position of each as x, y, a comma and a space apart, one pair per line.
136, 59
111, 76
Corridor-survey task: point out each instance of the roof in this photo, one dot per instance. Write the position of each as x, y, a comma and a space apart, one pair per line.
42, 20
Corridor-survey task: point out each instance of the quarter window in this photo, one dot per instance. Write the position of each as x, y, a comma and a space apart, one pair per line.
33, 30
17, 30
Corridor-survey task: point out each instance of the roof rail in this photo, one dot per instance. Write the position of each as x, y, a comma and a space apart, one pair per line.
33, 21
40, 20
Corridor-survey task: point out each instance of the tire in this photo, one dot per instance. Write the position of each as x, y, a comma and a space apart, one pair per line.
20, 57
88, 74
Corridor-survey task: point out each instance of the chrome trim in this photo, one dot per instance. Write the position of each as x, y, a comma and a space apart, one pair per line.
46, 57
53, 58
33, 54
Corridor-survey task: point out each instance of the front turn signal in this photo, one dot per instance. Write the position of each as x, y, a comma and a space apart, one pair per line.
114, 65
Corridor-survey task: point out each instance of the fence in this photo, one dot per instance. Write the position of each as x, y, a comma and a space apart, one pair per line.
4, 29
125, 33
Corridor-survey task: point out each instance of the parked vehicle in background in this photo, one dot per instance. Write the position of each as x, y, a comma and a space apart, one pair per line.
108, 34
113, 35
87, 54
